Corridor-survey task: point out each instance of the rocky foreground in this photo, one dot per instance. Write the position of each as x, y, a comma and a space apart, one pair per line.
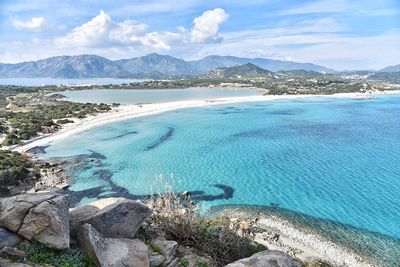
107, 231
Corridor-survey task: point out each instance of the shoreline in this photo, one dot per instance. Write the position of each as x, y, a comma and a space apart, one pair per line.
301, 243
130, 111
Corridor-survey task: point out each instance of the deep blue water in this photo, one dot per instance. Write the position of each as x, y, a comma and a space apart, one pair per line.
332, 159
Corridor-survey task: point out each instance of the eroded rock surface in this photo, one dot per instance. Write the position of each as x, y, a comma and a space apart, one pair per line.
41, 217
112, 252
112, 217
268, 258
14, 209
48, 223
8, 239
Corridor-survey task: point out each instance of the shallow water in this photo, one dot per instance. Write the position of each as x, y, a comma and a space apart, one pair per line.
143, 96
330, 159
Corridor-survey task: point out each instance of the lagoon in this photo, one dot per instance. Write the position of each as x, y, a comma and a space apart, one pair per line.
146, 96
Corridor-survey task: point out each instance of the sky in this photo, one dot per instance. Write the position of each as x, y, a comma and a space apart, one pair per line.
340, 34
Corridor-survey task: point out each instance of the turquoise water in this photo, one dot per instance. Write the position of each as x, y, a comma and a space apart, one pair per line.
110, 96
331, 159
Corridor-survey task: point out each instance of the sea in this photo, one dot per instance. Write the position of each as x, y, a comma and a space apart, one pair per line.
328, 163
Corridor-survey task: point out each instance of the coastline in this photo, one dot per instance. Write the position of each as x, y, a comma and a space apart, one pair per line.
131, 111
303, 243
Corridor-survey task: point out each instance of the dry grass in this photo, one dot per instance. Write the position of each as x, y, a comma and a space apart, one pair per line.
178, 216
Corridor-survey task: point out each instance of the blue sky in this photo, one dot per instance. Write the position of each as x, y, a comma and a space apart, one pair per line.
342, 34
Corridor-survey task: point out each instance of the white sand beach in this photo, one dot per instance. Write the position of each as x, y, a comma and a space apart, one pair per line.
124, 112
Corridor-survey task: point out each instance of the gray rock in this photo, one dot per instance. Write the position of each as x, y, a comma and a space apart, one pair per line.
47, 223
168, 248
156, 260
13, 252
8, 238
14, 209
268, 258
9, 263
112, 252
113, 217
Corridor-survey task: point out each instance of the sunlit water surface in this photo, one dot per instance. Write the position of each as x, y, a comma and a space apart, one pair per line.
335, 161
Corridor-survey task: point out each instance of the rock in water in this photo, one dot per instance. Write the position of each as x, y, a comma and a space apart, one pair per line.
112, 252
112, 217
48, 223
8, 239
268, 258
14, 209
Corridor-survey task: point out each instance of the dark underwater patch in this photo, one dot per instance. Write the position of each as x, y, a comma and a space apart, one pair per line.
38, 149
286, 112
113, 190
103, 174
95, 155
161, 140
120, 136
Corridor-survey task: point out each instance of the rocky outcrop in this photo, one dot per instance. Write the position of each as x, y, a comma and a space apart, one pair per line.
112, 217
14, 209
268, 258
112, 252
48, 223
41, 217
8, 239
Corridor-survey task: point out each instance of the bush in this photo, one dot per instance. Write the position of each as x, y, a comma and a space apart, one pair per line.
64, 121
178, 216
39, 253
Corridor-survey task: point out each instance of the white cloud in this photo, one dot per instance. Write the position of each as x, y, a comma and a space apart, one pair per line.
206, 27
35, 24
102, 31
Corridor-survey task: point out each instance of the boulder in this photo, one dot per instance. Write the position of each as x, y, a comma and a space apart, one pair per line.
112, 252
156, 260
267, 258
14, 209
8, 239
9, 263
168, 248
48, 223
113, 217
13, 252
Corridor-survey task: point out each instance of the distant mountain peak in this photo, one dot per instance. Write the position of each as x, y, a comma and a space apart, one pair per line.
152, 65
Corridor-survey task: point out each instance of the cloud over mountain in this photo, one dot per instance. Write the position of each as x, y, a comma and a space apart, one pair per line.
102, 31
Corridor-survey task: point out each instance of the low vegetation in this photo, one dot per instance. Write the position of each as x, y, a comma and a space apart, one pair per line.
15, 170
26, 112
38, 253
179, 218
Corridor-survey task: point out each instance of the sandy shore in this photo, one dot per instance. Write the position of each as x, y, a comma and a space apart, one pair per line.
132, 111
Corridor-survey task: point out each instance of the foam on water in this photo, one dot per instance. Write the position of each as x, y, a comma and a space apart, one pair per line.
334, 160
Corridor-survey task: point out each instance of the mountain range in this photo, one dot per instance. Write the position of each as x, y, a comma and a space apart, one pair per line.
149, 66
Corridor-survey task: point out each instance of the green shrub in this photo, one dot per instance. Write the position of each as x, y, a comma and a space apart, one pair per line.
40, 254
184, 262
